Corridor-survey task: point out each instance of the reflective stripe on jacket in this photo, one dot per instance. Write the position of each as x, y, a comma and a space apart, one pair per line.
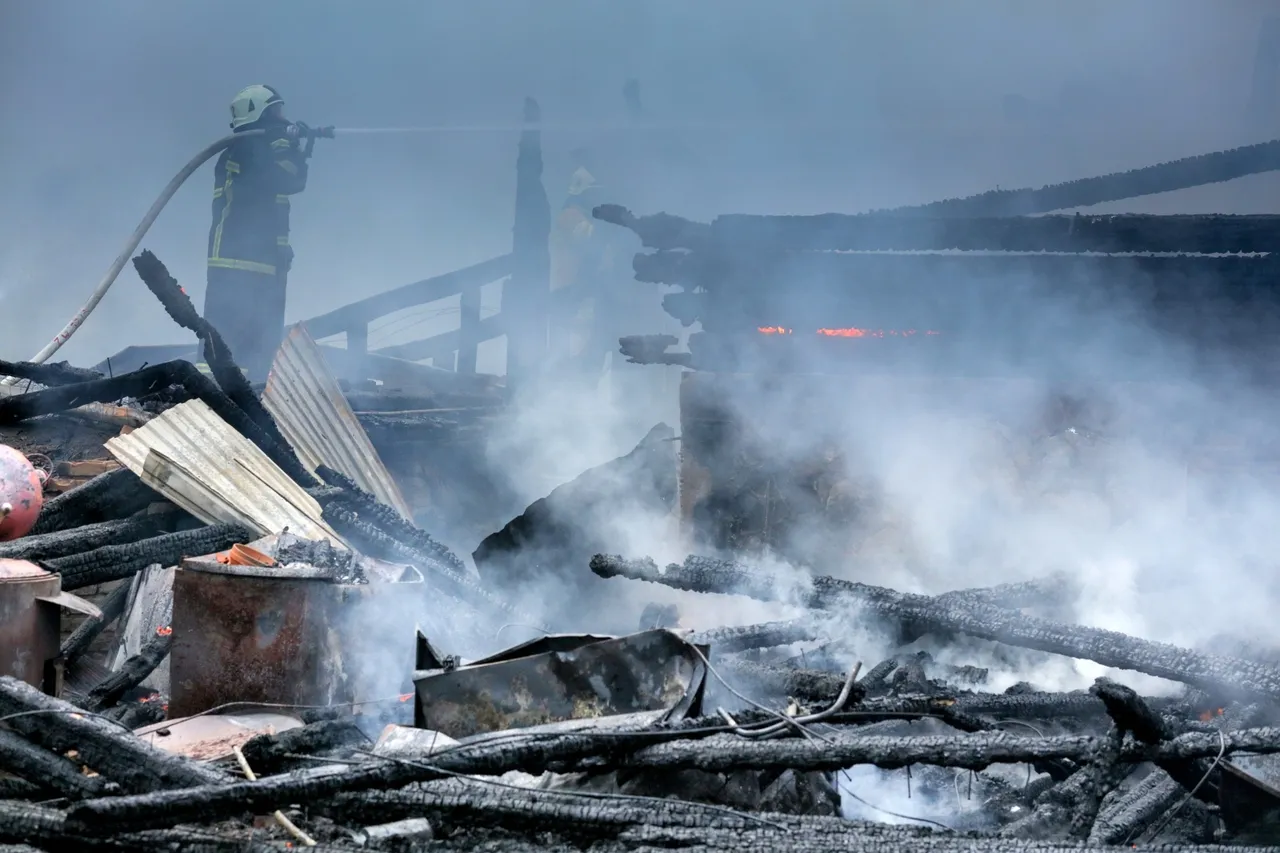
253, 180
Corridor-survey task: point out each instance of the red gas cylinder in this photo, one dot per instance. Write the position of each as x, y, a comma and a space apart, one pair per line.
21, 494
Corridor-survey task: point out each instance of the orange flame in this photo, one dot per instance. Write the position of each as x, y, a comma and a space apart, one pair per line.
405, 697
849, 332
871, 333
1207, 716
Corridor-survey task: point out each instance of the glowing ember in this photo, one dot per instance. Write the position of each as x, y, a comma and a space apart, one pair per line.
850, 332
164, 631
405, 697
872, 333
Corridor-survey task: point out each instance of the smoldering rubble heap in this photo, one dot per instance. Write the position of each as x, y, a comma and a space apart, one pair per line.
698, 738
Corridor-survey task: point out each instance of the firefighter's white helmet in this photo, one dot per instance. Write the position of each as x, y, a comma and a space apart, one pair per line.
251, 104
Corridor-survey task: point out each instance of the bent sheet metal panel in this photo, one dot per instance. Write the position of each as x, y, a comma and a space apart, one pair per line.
312, 412
198, 461
563, 677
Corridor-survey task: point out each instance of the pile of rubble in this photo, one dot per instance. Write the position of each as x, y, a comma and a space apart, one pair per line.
274, 678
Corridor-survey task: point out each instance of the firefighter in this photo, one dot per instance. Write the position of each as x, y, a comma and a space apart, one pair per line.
249, 253
582, 257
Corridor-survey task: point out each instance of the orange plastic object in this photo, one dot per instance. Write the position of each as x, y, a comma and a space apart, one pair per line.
243, 555
21, 494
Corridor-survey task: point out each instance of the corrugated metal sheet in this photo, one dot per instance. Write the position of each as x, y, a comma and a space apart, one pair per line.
198, 461
312, 413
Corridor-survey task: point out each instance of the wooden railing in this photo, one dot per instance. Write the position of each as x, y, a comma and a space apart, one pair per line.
526, 291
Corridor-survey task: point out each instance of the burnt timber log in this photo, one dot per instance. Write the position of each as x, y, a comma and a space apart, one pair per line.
468, 804
39, 766
150, 380
116, 562
1140, 807
723, 753
1184, 173
132, 673
878, 290
808, 685
58, 373
84, 635
1215, 674
117, 755
63, 543
1120, 233
106, 497
764, 635
231, 379
269, 754
658, 230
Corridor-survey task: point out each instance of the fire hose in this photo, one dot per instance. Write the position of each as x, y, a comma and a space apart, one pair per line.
297, 130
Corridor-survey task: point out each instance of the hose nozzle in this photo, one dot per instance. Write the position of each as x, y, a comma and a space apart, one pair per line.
303, 131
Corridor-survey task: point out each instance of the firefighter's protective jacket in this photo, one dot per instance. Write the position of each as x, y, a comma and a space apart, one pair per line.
579, 252
253, 180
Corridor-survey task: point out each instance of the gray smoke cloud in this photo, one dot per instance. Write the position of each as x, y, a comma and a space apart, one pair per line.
104, 102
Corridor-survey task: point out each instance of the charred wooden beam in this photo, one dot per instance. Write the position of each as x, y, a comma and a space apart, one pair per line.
1104, 773
107, 497
115, 562
1199, 170
658, 231
652, 349
39, 766
1133, 813
58, 373
231, 379
1214, 673
1129, 712
215, 801
63, 543
921, 286
725, 753
269, 754
119, 756
149, 380
89, 630
132, 673
741, 638
459, 804
1032, 593
807, 685
1079, 233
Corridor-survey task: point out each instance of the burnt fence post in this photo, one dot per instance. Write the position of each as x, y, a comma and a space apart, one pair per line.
527, 293
468, 329
357, 348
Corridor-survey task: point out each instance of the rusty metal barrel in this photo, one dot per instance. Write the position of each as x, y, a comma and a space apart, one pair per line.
31, 602
283, 635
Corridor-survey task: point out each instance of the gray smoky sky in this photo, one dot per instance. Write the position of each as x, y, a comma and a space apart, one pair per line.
103, 102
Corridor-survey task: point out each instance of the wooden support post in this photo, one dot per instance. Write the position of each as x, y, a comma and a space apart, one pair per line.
468, 329
357, 348
527, 293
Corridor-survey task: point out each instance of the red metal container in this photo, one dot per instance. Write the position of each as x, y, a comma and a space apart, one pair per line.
21, 494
